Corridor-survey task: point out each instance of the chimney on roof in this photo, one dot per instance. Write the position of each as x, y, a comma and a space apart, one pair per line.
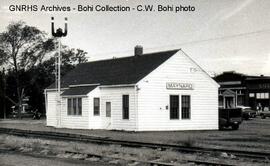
138, 50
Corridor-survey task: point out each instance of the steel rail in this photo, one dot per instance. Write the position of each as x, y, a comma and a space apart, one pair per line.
89, 155
107, 140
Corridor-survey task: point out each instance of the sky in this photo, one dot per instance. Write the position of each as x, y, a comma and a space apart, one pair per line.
220, 35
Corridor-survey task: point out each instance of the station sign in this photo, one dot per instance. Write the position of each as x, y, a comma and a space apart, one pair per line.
179, 86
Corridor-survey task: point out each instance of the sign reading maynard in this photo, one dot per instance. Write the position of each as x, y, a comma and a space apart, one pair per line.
179, 86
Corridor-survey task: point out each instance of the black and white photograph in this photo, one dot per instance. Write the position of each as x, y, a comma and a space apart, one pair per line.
134, 82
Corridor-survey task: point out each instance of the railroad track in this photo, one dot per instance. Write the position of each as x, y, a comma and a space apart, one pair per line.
107, 140
111, 158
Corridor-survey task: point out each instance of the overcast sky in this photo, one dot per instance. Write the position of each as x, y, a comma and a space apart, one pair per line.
220, 35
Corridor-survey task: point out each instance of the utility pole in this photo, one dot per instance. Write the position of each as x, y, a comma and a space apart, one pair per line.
58, 34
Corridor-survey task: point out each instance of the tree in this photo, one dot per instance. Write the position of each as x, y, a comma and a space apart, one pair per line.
42, 75
22, 47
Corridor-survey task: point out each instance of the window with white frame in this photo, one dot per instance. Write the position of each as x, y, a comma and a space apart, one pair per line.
108, 109
125, 106
185, 103
74, 106
96, 106
174, 107
251, 95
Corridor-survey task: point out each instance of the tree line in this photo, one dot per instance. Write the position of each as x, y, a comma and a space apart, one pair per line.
27, 60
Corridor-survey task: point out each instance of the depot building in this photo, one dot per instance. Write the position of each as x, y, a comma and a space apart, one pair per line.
144, 92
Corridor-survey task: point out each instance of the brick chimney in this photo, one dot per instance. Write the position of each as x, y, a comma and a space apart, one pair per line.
138, 50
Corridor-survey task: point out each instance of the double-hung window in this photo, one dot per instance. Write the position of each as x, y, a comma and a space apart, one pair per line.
108, 109
185, 103
96, 106
174, 107
74, 106
125, 104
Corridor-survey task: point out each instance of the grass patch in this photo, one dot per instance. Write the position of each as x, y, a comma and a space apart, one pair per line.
76, 148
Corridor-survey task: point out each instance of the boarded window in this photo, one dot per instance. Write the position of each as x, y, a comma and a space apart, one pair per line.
174, 107
125, 103
108, 109
74, 106
96, 106
185, 106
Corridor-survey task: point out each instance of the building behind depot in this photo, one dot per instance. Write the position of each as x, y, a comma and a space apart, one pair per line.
237, 89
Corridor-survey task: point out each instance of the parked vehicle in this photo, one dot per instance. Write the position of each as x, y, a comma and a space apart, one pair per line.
247, 112
36, 114
264, 114
28, 113
230, 117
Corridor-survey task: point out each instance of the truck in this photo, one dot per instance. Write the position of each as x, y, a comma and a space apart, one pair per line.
264, 114
230, 117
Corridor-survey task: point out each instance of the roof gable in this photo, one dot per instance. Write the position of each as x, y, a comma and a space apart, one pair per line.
126, 70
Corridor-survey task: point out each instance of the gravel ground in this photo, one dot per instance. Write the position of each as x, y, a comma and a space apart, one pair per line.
30, 151
26, 160
252, 135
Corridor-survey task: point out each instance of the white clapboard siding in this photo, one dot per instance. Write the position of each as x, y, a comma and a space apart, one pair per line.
153, 97
95, 121
114, 95
75, 121
51, 116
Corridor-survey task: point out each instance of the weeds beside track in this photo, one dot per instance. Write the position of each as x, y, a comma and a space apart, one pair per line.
108, 141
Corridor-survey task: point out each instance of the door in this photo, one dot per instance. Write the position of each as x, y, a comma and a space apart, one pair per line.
229, 102
108, 108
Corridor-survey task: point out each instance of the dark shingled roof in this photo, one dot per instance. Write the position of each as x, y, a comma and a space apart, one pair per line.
126, 70
80, 90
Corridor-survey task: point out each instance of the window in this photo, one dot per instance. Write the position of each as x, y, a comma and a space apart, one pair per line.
262, 95
69, 106
174, 107
79, 106
108, 109
251, 95
125, 102
96, 106
185, 106
74, 106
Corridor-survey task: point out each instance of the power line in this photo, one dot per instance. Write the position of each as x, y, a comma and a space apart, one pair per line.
194, 42
220, 38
